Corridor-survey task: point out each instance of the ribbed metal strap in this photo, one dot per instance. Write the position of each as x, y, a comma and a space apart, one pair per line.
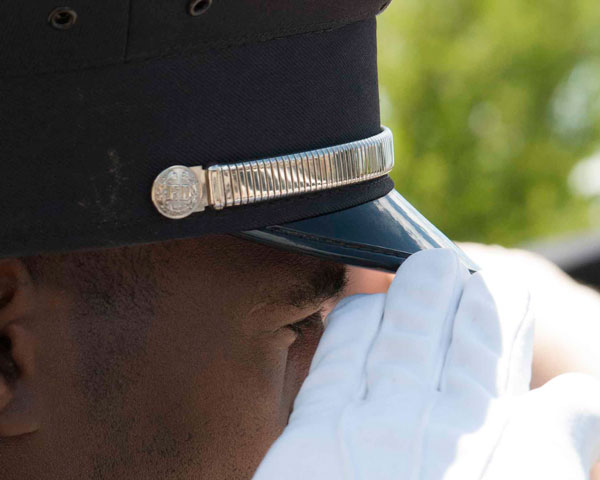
250, 182
176, 194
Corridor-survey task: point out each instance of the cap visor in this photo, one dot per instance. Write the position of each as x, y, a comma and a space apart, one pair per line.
380, 234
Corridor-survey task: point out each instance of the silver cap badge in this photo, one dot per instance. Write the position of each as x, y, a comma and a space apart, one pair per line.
176, 192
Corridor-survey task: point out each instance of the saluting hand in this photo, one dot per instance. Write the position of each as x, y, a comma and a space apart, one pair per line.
430, 381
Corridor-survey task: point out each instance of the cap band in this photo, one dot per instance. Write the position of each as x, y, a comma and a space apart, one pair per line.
180, 191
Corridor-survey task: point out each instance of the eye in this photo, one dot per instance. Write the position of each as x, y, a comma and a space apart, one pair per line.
309, 325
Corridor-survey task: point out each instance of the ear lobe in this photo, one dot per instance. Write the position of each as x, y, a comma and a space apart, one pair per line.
18, 415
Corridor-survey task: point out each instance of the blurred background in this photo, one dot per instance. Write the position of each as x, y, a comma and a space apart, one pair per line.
495, 108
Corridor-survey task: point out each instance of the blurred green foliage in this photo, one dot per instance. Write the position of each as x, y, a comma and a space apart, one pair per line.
492, 103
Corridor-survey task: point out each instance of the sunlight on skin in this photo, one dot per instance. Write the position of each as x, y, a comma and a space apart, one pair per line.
362, 280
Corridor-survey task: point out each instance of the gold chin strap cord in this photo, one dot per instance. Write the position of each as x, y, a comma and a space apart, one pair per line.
180, 191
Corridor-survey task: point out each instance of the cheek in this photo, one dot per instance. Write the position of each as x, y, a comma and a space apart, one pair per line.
207, 401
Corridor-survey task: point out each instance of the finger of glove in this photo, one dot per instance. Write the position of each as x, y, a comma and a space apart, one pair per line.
555, 432
338, 367
492, 340
421, 302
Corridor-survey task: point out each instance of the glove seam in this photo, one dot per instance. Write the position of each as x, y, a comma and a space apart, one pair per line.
445, 340
488, 462
510, 372
448, 327
347, 471
418, 465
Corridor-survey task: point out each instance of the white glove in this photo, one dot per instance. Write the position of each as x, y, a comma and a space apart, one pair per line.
429, 382
567, 314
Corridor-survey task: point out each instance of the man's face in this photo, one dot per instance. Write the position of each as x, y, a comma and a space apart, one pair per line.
177, 360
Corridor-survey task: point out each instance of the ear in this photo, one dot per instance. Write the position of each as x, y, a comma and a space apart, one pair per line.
18, 412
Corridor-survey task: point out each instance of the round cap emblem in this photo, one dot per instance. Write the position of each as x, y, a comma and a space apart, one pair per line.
176, 192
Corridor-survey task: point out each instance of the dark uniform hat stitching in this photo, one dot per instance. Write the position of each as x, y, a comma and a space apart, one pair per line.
339, 243
179, 51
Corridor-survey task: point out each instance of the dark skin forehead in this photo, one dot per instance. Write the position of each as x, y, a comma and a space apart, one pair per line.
170, 360
288, 278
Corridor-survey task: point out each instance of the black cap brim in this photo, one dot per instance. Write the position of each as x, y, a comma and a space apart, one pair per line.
380, 234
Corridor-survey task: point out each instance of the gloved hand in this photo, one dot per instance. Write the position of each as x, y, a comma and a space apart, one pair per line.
567, 313
430, 382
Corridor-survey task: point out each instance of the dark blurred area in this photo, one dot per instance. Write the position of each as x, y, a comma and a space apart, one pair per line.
578, 255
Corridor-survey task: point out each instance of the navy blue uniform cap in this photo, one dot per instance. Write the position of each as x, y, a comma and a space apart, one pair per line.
98, 98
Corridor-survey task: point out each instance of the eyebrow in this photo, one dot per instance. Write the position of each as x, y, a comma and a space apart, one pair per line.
327, 281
